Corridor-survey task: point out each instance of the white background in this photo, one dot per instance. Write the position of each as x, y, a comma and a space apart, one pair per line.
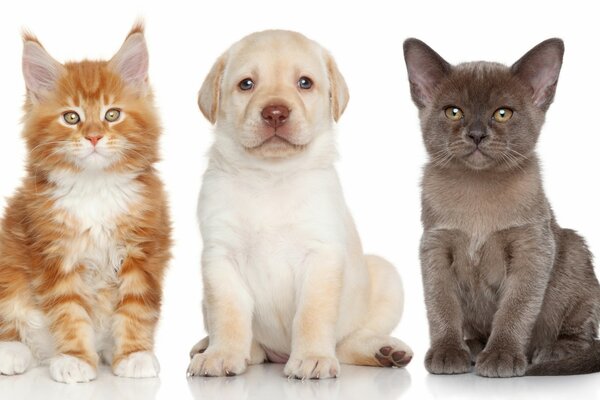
380, 164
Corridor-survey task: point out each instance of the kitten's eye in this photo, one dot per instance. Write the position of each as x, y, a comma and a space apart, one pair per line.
246, 84
112, 115
305, 83
71, 118
502, 114
454, 113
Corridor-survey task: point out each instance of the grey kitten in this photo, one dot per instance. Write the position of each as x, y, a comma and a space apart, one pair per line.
505, 286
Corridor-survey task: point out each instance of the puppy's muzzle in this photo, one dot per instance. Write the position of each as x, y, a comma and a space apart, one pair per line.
275, 115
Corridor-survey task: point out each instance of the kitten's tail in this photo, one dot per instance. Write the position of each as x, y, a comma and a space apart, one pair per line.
584, 363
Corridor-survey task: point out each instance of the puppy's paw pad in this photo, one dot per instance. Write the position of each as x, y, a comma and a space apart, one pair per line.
312, 368
217, 363
500, 364
391, 356
141, 364
15, 358
448, 360
69, 369
199, 347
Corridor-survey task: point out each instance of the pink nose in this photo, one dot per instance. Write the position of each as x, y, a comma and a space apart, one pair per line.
94, 139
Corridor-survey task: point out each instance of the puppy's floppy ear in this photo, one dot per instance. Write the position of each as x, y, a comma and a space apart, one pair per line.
539, 69
131, 61
426, 68
210, 92
40, 70
338, 90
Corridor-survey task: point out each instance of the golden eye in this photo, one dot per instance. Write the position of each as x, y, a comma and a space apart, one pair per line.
112, 115
71, 118
454, 113
502, 114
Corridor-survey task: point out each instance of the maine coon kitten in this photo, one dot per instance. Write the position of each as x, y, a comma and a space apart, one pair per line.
85, 239
505, 286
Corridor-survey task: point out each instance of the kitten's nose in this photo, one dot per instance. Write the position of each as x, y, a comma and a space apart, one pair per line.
477, 136
94, 139
275, 116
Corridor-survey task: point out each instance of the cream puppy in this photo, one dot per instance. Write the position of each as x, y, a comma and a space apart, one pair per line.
285, 278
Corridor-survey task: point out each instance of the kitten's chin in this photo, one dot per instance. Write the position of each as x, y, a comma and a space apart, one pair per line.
94, 161
478, 160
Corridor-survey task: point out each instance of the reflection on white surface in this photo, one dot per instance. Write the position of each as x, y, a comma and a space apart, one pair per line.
267, 382
37, 384
471, 386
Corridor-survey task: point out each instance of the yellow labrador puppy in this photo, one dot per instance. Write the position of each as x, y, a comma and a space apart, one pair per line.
285, 278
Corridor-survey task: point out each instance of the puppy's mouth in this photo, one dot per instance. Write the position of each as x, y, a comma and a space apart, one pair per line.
276, 137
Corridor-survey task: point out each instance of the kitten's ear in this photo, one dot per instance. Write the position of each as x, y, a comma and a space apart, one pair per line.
210, 92
339, 94
40, 70
539, 69
131, 61
426, 69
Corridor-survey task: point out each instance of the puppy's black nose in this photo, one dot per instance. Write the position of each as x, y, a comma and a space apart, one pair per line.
477, 136
275, 115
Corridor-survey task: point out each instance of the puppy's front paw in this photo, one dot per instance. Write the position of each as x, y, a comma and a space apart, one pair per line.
448, 360
213, 362
69, 369
500, 364
312, 367
15, 358
141, 364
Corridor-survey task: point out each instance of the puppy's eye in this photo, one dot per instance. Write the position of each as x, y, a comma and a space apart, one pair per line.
112, 115
246, 84
305, 83
502, 114
454, 113
71, 118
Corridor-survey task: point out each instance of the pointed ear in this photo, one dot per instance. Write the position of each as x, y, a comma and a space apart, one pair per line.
131, 61
210, 92
539, 69
40, 70
426, 69
338, 90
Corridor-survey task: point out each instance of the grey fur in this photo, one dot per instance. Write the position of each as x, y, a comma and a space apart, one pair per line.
505, 286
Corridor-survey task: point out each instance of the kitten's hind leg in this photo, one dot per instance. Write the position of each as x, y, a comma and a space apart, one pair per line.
371, 344
564, 347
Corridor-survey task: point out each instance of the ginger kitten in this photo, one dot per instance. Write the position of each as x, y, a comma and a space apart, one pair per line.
85, 240
505, 286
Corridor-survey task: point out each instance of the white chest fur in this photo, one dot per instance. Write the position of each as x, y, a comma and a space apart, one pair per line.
91, 204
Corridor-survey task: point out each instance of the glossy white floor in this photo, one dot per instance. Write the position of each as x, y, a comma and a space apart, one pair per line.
265, 382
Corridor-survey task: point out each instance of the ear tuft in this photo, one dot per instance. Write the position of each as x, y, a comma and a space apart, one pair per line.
210, 93
338, 93
426, 68
131, 61
539, 68
40, 70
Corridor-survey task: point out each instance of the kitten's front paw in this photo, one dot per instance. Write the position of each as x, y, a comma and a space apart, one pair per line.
69, 369
448, 360
15, 358
141, 364
312, 367
500, 364
214, 362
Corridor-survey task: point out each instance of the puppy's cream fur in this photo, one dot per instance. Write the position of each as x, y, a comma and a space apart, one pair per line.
285, 278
